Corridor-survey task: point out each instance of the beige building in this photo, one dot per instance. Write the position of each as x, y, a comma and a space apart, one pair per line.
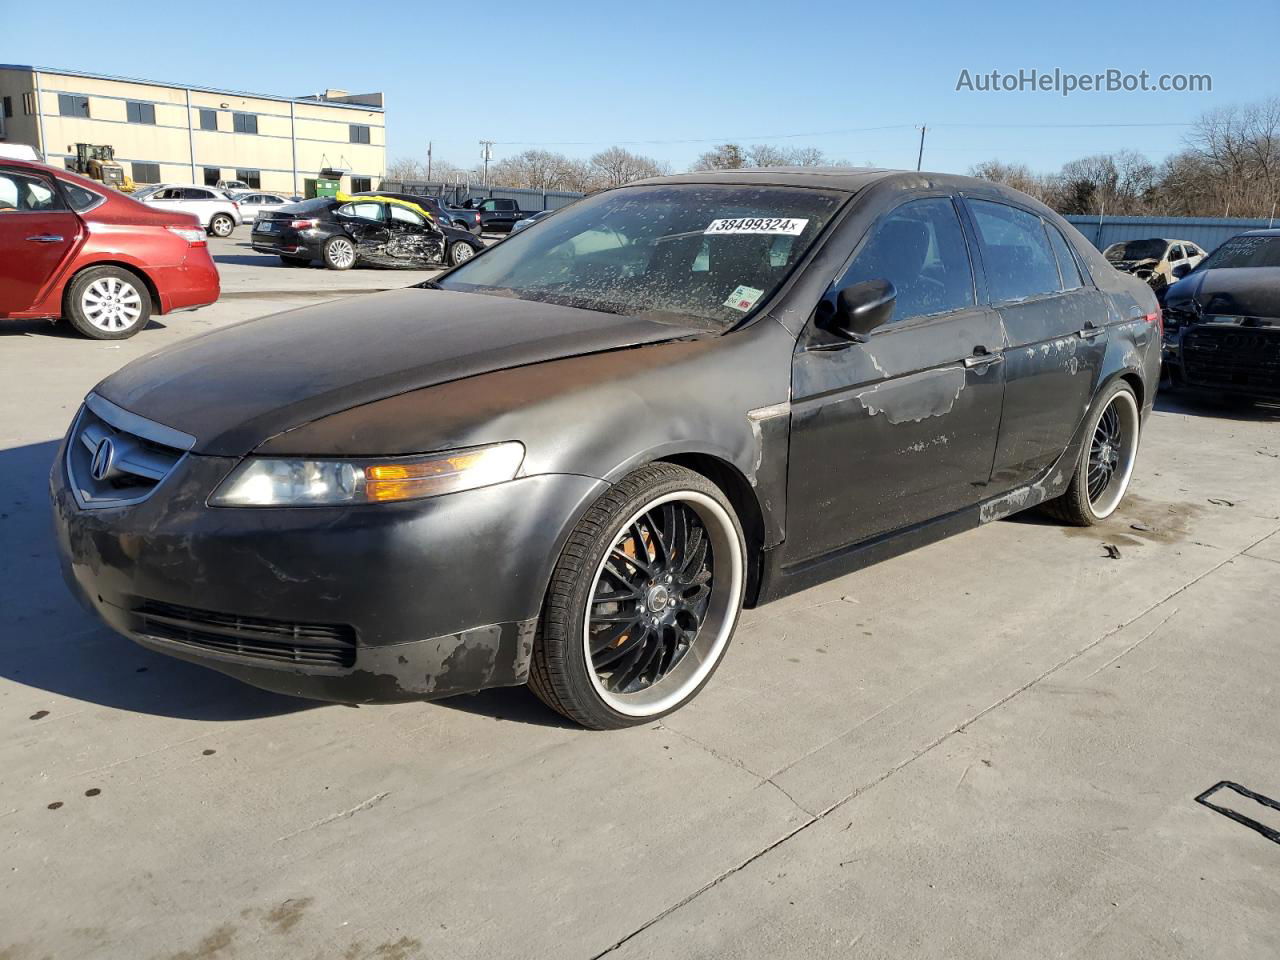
169, 133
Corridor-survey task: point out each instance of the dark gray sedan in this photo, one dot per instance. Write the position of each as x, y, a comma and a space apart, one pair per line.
572, 460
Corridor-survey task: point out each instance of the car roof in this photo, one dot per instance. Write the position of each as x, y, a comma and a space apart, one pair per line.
849, 179
1265, 232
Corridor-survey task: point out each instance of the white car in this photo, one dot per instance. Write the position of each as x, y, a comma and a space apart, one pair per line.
252, 203
216, 211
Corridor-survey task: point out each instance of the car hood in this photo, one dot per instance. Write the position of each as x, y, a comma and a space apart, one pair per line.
235, 388
1233, 292
1128, 266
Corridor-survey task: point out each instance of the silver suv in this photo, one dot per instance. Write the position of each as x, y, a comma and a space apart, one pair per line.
215, 210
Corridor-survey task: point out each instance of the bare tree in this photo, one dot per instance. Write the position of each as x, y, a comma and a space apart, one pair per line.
726, 156
405, 168
732, 156
616, 166
1016, 175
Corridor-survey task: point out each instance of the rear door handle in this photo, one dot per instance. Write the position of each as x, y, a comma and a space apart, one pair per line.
1090, 331
982, 359
45, 238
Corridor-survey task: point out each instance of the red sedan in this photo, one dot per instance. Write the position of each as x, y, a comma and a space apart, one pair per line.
73, 248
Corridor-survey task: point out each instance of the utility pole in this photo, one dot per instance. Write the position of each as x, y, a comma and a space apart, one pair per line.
486, 154
920, 155
428, 161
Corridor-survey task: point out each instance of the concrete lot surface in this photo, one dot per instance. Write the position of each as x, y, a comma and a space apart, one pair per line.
987, 748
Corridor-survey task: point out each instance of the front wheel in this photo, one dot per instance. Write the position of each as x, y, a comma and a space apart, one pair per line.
1107, 457
339, 254
643, 601
221, 225
460, 253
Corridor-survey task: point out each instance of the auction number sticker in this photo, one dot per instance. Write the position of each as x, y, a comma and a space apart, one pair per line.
743, 298
783, 226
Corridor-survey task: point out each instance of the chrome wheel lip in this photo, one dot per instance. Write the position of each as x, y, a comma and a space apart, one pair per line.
722, 613
1127, 426
111, 304
342, 252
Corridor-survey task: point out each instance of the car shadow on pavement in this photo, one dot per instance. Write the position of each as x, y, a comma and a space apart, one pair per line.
515, 704
60, 330
1192, 404
51, 643
253, 260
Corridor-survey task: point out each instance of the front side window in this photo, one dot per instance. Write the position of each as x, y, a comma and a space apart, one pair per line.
920, 248
702, 253
146, 172
1244, 251
244, 122
140, 112
73, 105
1015, 251
208, 119
20, 193
362, 211
406, 215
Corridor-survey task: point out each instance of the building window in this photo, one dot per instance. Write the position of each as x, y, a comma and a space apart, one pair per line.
361, 184
73, 105
140, 112
29, 103
211, 176
358, 132
146, 172
8, 106
208, 119
244, 122
252, 177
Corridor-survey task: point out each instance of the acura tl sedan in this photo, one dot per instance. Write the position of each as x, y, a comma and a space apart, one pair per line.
572, 460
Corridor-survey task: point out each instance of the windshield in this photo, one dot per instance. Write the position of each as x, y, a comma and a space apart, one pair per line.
709, 253
146, 191
1136, 250
1244, 251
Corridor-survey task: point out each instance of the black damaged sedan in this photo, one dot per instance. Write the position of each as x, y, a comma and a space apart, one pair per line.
361, 231
571, 461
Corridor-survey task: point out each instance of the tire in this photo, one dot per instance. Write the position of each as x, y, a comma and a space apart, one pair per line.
221, 225
460, 252
1106, 442
107, 303
691, 588
339, 253
295, 261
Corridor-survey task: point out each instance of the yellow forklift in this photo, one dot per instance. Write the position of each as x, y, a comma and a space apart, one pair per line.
98, 162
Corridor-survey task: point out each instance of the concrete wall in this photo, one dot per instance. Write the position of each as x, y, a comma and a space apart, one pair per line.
295, 139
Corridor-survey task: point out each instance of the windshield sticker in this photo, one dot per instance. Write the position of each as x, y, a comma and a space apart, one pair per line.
785, 226
743, 298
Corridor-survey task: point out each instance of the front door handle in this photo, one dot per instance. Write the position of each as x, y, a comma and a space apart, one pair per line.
45, 238
981, 358
1088, 333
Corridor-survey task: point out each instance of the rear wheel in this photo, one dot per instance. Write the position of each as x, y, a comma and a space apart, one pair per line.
1106, 462
339, 253
643, 601
221, 225
107, 303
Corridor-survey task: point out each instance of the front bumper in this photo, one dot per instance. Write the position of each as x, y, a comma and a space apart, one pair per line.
421, 600
1225, 359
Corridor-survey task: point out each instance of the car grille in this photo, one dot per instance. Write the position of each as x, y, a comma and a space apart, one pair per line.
274, 641
1232, 357
115, 457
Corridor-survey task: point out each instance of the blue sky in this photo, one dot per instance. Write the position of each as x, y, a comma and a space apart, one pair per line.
578, 76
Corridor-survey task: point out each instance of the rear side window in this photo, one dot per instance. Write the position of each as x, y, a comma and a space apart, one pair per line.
919, 247
1067, 265
1015, 251
20, 193
364, 211
189, 193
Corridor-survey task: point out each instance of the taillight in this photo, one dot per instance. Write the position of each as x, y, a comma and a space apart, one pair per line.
193, 236
302, 224
1157, 319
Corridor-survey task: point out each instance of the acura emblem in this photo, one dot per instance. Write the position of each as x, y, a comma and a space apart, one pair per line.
104, 456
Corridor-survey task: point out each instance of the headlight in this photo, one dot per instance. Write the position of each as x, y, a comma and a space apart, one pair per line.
269, 482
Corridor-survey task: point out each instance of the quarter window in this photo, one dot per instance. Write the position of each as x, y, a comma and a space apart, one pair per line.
80, 198
208, 119
140, 112
73, 105
1067, 266
919, 248
146, 172
244, 122
358, 133
1015, 251
23, 194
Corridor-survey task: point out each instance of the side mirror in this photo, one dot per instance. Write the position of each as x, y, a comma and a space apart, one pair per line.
1180, 270
861, 308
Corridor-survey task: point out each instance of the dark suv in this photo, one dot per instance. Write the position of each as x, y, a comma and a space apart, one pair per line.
573, 459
